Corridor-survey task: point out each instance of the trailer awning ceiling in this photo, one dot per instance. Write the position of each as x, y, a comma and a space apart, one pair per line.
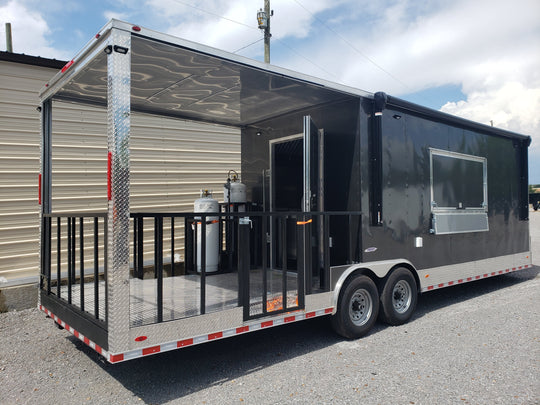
174, 80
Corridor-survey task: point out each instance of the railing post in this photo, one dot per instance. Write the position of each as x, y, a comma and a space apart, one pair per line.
203, 263
96, 268
158, 254
243, 264
81, 260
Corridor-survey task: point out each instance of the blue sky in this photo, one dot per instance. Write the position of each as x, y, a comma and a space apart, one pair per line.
478, 59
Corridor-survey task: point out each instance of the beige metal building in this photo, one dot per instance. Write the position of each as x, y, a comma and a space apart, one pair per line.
162, 171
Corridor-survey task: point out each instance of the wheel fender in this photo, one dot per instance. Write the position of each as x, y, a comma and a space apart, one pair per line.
376, 270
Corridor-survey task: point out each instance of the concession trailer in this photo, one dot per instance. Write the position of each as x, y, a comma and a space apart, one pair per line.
347, 204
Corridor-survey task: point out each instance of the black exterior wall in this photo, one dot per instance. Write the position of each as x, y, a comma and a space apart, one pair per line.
342, 172
406, 191
406, 134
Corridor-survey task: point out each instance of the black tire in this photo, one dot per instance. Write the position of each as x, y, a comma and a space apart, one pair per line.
358, 307
399, 297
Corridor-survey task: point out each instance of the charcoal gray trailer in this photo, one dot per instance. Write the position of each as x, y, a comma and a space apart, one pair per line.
355, 203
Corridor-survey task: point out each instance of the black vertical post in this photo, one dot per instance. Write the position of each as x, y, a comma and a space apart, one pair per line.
203, 264
243, 264
81, 259
265, 219
308, 255
96, 268
172, 247
140, 247
284, 261
47, 254
69, 260
73, 248
158, 254
45, 197
135, 248
106, 268
375, 153
300, 262
325, 282
188, 245
58, 255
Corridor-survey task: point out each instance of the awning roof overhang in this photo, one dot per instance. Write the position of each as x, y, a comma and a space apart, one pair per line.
178, 78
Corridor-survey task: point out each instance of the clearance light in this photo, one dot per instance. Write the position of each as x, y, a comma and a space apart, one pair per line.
136, 28
67, 66
140, 338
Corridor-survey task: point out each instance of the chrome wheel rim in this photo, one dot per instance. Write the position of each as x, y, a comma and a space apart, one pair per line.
360, 308
401, 296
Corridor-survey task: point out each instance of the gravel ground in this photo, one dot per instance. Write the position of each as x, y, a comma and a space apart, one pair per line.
477, 343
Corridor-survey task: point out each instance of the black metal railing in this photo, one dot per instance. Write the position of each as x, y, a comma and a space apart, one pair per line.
287, 251
74, 261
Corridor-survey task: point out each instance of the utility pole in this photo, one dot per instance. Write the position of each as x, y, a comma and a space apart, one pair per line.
263, 19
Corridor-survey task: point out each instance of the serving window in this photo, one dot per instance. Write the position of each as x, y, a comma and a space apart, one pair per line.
458, 192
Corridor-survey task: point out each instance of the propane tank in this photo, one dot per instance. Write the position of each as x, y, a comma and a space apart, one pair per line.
207, 204
234, 191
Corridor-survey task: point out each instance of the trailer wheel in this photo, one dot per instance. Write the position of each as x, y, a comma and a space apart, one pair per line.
358, 307
398, 297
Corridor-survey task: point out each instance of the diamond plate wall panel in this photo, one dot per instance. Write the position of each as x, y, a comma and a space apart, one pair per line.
118, 127
198, 325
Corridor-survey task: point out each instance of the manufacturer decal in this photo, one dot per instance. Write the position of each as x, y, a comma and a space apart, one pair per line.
370, 249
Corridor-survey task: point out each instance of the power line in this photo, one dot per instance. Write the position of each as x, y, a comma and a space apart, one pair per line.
253, 27
214, 14
247, 46
354, 47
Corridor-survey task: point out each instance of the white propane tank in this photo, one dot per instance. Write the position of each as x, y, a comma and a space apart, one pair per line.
234, 191
207, 204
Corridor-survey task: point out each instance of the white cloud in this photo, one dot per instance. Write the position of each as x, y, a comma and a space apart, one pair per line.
29, 31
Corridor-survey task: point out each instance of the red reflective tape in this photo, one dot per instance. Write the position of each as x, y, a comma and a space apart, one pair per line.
441, 285
86, 340
310, 315
513, 269
116, 357
493, 273
460, 281
150, 350
430, 287
450, 283
39, 189
266, 324
109, 174
67, 327
469, 278
242, 329
67, 66
485, 275
289, 319
500, 272
75, 333
98, 349
328, 310
185, 342
477, 277
216, 335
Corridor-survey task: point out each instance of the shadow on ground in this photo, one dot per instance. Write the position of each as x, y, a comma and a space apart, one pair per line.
173, 375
